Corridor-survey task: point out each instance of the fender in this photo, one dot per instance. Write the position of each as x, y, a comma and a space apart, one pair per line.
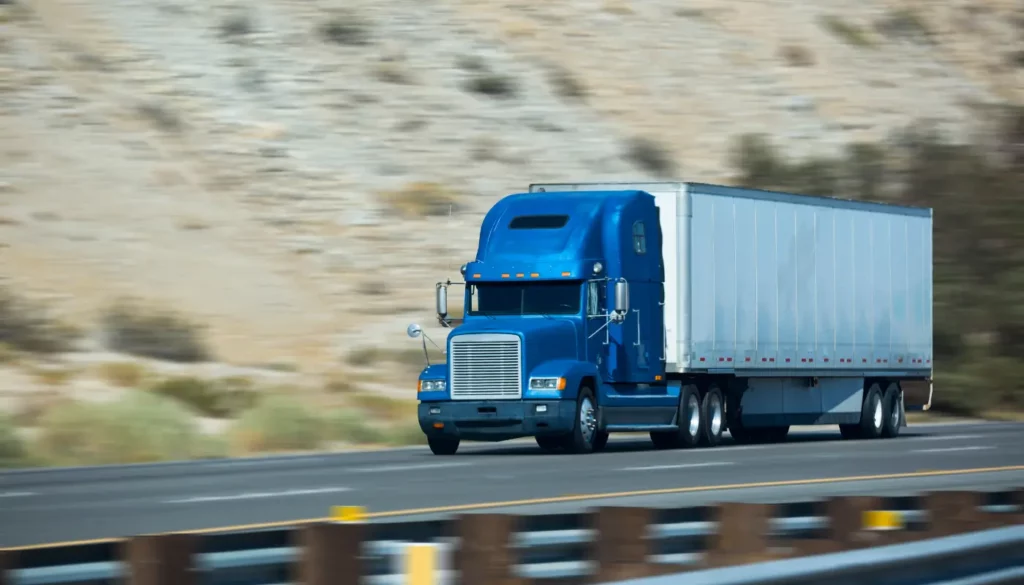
434, 372
572, 370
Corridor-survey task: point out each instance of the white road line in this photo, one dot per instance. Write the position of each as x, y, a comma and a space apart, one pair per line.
946, 438
951, 449
414, 467
680, 466
258, 495
16, 494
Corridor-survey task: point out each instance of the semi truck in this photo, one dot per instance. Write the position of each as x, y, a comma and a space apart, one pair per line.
685, 311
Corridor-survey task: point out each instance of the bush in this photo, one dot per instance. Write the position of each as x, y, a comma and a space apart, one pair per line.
352, 427
225, 397
346, 27
650, 156
139, 428
12, 449
493, 85
278, 423
382, 407
421, 199
123, 374
27, 326
974, 191
156, 334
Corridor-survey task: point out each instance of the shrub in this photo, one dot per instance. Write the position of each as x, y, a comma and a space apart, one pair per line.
650, 156
158, 334
421, 199
219, 398
493, 85
53, 376
123, 374
346, 27
382, 407
278, 423
797, 56
27, 326
12, 449
847, 32
566, 84
352, 427
408, 433
138, 428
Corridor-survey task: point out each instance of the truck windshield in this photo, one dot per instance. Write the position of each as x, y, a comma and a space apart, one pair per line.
525, 298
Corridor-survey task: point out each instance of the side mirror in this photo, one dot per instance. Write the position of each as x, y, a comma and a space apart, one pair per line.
413, 330
442, 301
622, 297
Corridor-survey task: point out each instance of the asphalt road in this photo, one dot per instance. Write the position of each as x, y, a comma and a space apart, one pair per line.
47, 506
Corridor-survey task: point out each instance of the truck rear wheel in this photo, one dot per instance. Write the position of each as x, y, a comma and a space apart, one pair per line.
443, 445
872, 414
712, 409
892, 411
690, 419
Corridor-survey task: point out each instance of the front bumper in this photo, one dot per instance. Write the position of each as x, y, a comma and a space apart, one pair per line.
497, 420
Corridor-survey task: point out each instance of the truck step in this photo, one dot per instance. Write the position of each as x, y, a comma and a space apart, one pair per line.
640, 428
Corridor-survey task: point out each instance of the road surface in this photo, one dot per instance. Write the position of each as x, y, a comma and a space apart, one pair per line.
60, 505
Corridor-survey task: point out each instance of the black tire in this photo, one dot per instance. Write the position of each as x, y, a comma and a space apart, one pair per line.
892, 411
549, 443
872, 414
712, 413
443, 445
600, 440
690, 428
581, 440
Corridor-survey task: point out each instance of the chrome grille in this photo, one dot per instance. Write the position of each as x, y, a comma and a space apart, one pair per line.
485, 366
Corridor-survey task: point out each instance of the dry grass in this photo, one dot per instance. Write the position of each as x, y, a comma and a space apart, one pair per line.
411, 357
278, 424
221, 398
12, 448
28, 326
122, 374
53, 376
382, 407
797, 56
421, 199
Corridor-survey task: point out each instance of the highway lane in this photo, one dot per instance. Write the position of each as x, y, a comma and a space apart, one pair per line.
45, 506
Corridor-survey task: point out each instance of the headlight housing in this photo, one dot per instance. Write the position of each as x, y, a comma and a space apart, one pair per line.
432, 385
547, 383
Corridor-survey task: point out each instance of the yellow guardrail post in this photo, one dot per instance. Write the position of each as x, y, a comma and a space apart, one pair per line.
882, 520
348, 514
421, 563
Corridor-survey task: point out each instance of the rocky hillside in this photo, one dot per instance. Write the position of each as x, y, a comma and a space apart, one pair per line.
296, 175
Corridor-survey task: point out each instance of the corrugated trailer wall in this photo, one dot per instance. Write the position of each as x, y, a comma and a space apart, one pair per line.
788, 282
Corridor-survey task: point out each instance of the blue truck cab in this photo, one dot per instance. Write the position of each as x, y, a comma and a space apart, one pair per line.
683, 310
543, 335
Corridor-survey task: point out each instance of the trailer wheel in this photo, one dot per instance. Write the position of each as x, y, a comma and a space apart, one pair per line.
713, 412
872, 414
891, 402
443, 445
582, 437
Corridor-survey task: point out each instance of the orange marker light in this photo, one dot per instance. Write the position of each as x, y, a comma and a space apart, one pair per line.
566, 273
534, 274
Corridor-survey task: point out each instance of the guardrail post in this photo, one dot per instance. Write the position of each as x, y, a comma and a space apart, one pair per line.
161, 559
485, 555
8, 562
955, 512
331, 554
621, 547
742, 535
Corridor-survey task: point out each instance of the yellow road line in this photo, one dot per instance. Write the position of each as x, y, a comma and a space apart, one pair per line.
558, 500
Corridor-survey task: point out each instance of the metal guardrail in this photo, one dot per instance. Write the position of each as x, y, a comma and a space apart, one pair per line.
548, 548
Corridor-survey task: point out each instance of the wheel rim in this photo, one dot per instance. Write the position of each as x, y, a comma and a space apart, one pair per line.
894, 416
878, 414
716, 414
587, 419
693, 411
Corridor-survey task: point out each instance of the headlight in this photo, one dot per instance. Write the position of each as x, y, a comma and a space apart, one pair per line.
547, 383
432, 386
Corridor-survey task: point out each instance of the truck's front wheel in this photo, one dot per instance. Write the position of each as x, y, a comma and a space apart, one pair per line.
443, 445
584, 432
